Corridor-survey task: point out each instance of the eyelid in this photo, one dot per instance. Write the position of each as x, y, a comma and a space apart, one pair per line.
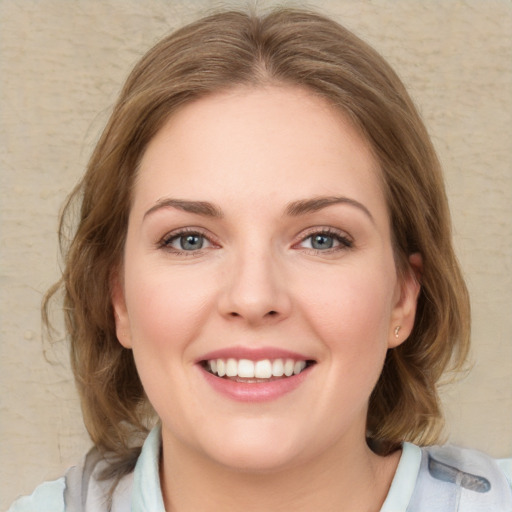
346, 241
164, 241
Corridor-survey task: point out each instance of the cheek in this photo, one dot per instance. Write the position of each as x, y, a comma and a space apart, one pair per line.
352, 311
164, 306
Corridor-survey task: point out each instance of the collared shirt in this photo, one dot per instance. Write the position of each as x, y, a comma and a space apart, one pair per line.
431, 479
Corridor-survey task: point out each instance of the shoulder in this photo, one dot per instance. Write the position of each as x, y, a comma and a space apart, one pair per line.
81, 485
506, 466
83, 488
454, 478
48, 497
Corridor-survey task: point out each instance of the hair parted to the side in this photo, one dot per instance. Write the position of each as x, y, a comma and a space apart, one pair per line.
284, 46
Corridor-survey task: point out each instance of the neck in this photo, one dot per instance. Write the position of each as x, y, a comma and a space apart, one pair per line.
347, 480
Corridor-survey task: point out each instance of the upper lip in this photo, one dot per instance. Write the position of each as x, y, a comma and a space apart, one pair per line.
253, 354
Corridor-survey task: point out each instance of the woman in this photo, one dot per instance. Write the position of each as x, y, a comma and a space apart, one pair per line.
263, 270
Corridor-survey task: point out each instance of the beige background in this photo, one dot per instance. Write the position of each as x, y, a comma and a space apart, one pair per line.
61, 65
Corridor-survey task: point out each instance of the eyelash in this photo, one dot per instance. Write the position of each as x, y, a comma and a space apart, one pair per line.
343, 240
166, 241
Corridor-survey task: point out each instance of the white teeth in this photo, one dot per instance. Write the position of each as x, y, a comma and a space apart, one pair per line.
231, 368
298, 367
263, 369
278, 368
221, 368
288, 367
246, 368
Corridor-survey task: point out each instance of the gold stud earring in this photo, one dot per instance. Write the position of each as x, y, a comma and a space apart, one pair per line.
397, 330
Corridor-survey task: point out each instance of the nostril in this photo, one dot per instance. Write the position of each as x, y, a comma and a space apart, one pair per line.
268, 314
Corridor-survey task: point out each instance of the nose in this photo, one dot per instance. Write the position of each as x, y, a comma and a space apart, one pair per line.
255, 290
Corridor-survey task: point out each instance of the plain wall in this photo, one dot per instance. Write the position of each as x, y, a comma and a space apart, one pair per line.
61, 65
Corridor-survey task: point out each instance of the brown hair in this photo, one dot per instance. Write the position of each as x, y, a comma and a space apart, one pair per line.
285, 47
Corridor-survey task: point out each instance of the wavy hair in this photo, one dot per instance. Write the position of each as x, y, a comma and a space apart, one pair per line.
221, 51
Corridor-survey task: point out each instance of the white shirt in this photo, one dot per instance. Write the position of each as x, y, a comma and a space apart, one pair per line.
431, 479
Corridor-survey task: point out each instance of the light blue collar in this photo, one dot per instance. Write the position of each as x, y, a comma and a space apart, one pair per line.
404, 481
146, 492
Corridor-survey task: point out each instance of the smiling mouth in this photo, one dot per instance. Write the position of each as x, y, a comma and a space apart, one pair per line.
264, 370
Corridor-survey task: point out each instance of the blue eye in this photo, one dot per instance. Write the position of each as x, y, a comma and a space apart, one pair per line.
187, 242
322, 241
191, 242
325, 241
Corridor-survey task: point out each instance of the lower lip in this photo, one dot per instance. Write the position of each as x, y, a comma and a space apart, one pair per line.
256, 391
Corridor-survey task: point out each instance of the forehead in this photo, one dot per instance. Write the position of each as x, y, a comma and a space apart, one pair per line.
257, 143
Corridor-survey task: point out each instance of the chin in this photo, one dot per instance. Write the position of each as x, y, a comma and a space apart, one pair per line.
255, 450
256, 459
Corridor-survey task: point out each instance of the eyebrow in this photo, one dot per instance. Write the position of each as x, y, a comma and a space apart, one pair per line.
198, 207
293, 209
305, 206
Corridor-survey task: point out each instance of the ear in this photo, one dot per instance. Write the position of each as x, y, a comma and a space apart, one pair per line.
404, 311
117, 297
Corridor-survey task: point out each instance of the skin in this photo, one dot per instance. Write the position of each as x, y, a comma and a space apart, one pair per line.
257, 282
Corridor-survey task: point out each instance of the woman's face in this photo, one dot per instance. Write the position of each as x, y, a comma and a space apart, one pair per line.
258, 245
